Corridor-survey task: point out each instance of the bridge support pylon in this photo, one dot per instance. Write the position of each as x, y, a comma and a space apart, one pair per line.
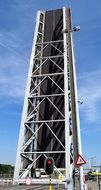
50, 124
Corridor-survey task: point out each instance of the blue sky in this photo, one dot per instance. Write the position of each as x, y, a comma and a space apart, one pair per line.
17, 21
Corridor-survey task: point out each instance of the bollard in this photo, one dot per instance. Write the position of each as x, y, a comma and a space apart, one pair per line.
98, 183
50, 184
85, 186
50, 187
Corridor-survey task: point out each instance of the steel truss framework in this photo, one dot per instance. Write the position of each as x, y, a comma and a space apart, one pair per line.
50, 122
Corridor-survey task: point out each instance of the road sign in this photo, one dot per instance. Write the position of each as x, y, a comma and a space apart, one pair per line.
80, 160
28, 181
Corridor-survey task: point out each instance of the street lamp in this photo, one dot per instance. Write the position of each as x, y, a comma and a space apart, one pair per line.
80, 102
75, 29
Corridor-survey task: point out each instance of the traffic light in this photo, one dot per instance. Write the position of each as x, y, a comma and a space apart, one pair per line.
49, 165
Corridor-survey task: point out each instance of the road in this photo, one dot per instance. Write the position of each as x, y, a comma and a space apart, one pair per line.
33, 187
22, 187
92, 185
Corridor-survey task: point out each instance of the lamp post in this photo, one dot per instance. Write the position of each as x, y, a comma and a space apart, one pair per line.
74, 29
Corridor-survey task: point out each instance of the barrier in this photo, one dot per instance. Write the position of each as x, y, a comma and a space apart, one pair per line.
6, 182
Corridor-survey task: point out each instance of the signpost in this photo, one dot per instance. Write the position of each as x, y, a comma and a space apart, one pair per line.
79, 162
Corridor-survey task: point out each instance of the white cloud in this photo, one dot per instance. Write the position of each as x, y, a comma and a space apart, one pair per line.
10, 38
12, 77
90, 93
15, 47
13, 67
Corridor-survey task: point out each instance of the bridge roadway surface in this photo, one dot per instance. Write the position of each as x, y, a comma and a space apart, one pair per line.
91, 185
31, 187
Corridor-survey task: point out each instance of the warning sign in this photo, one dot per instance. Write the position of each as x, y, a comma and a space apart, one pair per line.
80, 160
28, 181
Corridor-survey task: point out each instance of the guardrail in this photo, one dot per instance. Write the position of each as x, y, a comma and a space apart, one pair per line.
6, 181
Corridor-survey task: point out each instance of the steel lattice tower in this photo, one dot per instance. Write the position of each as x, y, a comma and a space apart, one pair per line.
50, 120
